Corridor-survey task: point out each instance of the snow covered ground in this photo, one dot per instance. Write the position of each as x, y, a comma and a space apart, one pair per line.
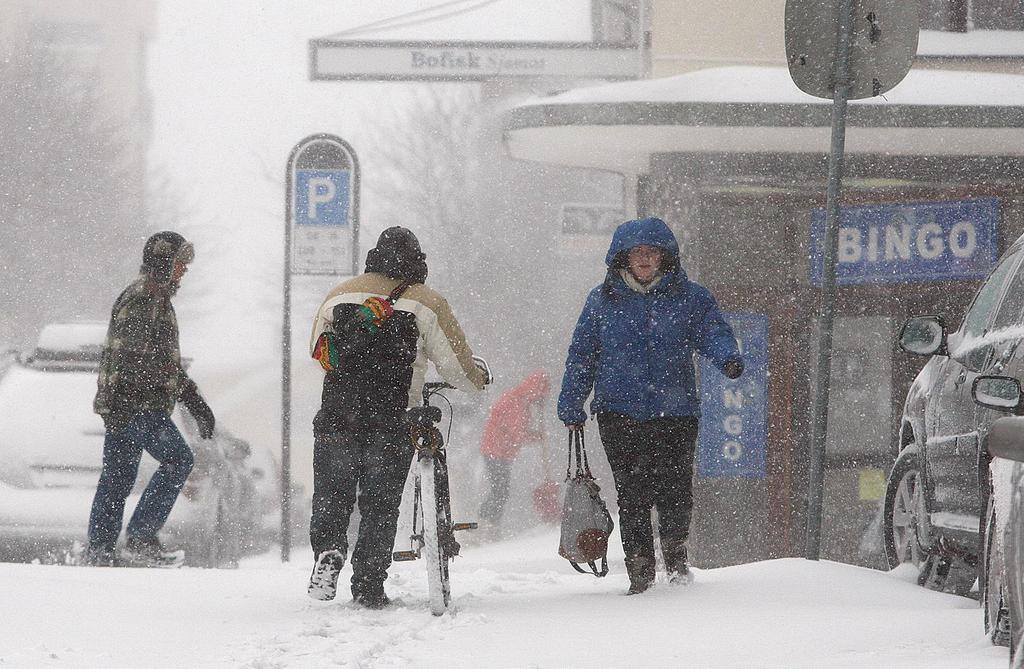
516, 604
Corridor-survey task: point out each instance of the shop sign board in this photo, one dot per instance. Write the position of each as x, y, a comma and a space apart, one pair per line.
366, 60
909, 243
733, 441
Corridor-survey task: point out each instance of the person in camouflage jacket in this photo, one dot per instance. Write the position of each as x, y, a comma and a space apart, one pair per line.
140, 381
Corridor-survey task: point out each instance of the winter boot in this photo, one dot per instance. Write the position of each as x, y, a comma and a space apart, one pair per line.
149, 552
370, 595
101, 557
677, 567
323, 582
641, 574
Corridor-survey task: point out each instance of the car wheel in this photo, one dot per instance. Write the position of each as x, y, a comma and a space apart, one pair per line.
903, 505
993, 599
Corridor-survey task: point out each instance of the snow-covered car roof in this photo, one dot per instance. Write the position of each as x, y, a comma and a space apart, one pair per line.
48, 418
72, 344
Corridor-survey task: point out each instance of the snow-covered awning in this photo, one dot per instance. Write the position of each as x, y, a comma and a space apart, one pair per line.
759, 110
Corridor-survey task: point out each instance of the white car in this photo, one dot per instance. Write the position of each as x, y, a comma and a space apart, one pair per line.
51, 451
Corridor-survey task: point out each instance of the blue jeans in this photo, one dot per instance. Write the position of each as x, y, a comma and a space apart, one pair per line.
153, 432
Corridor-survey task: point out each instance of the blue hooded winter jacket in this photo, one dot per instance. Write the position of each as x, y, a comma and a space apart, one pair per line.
635, 350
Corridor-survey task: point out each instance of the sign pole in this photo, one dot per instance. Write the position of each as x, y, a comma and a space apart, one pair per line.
286, 369
286, 406
858, 49
823, 367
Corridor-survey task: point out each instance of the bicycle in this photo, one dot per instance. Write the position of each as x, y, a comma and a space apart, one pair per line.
433, 532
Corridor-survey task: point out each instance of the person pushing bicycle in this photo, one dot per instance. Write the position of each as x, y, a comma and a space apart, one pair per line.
373, 335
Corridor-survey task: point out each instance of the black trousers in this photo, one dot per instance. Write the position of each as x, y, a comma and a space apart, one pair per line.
652, 463
374, 462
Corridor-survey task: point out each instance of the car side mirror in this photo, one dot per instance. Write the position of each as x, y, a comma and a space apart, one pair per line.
924, 335
1002, 393
1006, 438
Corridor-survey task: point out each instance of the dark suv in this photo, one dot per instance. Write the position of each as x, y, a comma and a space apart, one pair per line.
939, 487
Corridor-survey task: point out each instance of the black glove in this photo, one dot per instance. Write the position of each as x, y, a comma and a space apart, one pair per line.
199, 409
733, 369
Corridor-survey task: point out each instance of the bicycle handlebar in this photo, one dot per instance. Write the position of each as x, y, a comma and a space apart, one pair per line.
432, 387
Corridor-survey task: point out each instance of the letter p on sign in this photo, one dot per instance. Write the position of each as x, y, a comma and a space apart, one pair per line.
321, 190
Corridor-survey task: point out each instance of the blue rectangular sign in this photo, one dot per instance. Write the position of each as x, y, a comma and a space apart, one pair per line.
906, 243
323, 197
733, 441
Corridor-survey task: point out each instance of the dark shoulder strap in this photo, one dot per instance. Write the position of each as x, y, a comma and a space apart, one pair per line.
578, 447
397, 292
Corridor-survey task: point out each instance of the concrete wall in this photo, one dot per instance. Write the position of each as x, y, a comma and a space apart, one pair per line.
693, 34
107, 38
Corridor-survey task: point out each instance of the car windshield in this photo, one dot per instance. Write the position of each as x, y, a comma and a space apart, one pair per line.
1011, 311
977, 316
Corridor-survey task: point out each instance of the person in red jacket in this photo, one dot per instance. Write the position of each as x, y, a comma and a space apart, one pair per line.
513, 423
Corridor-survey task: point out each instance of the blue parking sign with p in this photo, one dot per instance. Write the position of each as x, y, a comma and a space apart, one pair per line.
323, 197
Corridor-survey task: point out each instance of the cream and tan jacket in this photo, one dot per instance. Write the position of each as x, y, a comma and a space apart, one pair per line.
391, 374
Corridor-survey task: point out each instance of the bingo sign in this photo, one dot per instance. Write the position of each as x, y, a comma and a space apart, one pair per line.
324, 180
904, 243
733, 441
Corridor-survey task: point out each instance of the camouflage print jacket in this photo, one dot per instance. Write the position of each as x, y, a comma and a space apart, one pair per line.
140, 368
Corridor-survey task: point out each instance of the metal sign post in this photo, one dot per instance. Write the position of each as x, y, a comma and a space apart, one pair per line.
847, 49
321, 238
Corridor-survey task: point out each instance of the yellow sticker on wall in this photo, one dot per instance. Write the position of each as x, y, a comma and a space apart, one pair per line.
871, 484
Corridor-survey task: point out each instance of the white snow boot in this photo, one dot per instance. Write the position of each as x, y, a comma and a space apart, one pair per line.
323, 582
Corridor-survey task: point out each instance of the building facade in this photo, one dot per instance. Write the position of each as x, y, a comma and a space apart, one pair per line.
105, 40
721, 144
76, 176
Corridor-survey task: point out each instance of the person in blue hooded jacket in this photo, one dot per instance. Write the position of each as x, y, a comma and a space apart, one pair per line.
633, 347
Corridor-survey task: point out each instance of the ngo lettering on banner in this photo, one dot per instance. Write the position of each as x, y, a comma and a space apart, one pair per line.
905, 243
733, 440
323, 222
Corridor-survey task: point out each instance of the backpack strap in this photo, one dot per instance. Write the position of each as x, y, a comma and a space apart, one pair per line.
397, 292
593, 568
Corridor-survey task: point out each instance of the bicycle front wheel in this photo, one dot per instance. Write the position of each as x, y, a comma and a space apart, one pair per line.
435, 558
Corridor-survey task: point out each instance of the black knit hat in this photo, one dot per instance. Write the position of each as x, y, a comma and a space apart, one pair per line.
398, 256
160, 252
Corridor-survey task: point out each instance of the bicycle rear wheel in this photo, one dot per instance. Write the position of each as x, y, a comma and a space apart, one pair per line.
438, 588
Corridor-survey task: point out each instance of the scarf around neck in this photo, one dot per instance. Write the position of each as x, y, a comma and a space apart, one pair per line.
636, 285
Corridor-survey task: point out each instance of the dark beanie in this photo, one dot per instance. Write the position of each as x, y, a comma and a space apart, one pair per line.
398, 256
160, 252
